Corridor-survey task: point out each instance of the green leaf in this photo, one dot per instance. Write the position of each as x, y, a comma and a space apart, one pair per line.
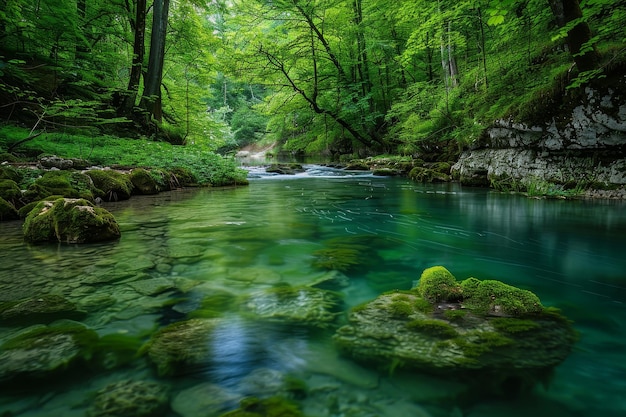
495, 20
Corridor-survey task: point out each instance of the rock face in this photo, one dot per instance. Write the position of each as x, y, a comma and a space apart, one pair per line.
493, 334
70, 221
584, 142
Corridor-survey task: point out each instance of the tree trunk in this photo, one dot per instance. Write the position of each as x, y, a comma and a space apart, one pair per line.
566, 11
139, 28
151, 99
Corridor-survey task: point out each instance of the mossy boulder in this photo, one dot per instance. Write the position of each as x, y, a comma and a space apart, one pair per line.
7, 211
183, 346
10, 191
39, 309
306, 306
45, 352
113, 185
145, 182
130, 398
496, 298
70, 221
429, 328
437, 284
68, 184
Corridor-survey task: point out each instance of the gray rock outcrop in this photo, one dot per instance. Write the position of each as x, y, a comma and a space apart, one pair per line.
583, 144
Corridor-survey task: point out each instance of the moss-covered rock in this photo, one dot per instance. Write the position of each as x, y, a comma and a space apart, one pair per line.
498, 299
113, 185
300, 305
68, 184
130, 398
348, 254
69, 221
10, 191
437, 284
496, 353
7, 210
184, 177
268, 407
182, 346
144, 183
45, 352
39, 309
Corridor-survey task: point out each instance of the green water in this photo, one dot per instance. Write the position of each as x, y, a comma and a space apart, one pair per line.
197, 242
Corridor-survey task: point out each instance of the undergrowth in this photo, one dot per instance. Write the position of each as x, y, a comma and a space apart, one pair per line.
208, 167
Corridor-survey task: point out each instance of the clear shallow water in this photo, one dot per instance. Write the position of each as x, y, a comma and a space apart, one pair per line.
199, 242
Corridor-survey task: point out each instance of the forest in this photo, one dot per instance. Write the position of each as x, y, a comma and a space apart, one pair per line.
339, 79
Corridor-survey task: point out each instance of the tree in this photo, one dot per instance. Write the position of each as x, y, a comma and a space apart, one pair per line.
138, 25
151, 100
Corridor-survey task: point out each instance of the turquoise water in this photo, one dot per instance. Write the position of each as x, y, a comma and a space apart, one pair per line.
238, 241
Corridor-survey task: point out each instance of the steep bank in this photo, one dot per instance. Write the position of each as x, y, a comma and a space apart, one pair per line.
578, 144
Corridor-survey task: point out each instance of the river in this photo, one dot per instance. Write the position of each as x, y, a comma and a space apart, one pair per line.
241, 240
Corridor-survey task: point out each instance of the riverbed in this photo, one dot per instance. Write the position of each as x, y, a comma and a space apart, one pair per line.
246, 239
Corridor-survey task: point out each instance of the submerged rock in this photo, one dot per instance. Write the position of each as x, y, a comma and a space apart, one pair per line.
70, 221
205, 399
494, 334
268, 407
44, 352
182, 346
38, 309
300, 305
130, 398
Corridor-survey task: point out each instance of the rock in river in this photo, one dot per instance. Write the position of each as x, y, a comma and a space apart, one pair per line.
71, 221
488, 332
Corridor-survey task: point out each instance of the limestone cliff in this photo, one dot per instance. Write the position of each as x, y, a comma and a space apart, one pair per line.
581, 142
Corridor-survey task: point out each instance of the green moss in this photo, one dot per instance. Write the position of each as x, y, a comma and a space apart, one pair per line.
497, 298
7, 210
513, 325
214, 305
184, 177
113, 185
68, 184
437, 284
268, 407
455, 315
144, 183
400, 309
422, 305
476, 343
339, 259
433, 327
87, 339
71, 221
9, 190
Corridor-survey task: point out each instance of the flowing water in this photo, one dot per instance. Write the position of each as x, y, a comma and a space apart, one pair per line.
192, 243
